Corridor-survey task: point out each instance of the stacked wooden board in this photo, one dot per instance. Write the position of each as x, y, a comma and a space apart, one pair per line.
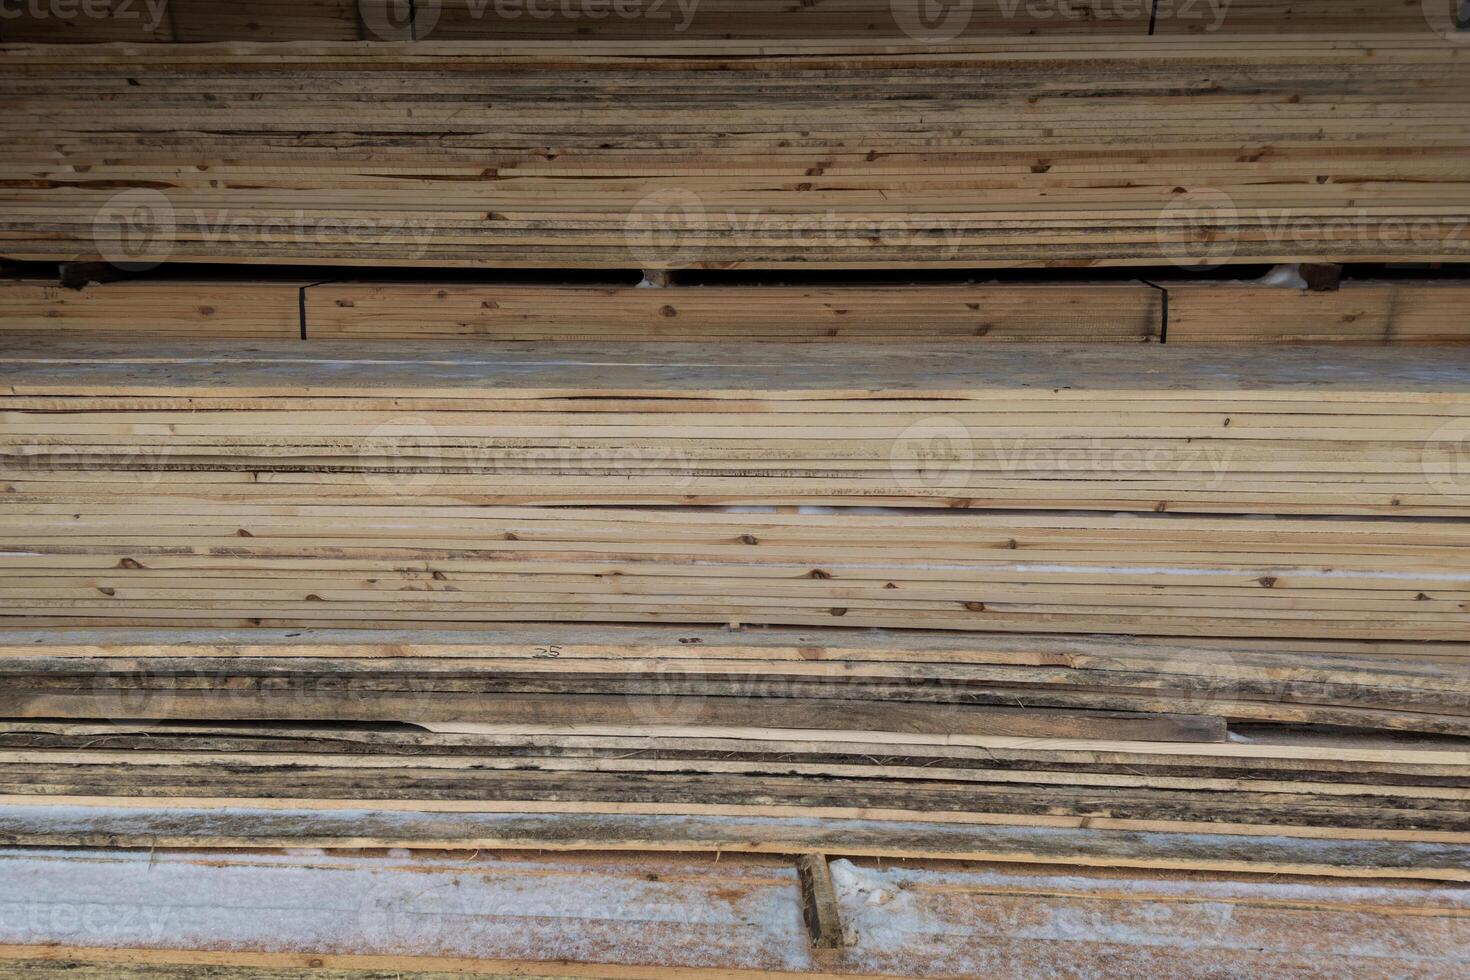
289, 561
1176, 691
424, 916
1390, 312
1080, 313
312, 564
884, 727
316, 484
377, 20
1019, 152
1187, 429
1228, 311
1180, 311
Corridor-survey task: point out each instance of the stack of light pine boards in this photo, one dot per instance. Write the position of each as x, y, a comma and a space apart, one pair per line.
1294, 492
1066, 151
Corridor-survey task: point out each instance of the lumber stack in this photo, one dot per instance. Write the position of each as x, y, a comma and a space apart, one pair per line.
382, 20
1188, 429
1275, 790
316, 485
315, 564
1009, 153
1164, 573
1109, 686
885, 727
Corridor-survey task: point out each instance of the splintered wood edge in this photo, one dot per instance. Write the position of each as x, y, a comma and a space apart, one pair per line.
242, 965
787, 831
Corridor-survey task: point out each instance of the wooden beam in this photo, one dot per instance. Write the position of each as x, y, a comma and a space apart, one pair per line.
819, 903
1072, 313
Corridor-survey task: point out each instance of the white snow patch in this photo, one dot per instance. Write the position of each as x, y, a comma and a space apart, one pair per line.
1286, 276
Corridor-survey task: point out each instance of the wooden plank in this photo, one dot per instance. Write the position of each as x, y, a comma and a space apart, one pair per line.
1081, 313
448, 677
1274, 753
495, 374
146, 308
118, 824
819, 903
670, 758
328, 20
1359, 312
411, 916
593, 710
